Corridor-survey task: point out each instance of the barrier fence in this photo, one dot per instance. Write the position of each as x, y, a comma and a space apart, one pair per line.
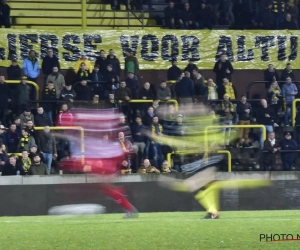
150, 101
37, 88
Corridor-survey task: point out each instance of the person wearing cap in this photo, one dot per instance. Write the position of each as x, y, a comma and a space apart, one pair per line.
31, 66
288, 158
58, 80
26, 116
24, 93
5, 99
38, 167
287, 72
49, 61
83, 59
26, 141
14, 71
131, 63
102, 62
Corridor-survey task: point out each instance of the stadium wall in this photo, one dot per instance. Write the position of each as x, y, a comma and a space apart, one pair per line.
34, 195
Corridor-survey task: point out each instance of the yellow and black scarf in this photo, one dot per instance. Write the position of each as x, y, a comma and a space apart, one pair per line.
26, 165
24, 140
50, 91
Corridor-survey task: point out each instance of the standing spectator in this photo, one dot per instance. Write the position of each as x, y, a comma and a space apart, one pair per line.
3, 135
83, 92
114, 61
222, 68
102, 62
174, 72
25, 163
31, 67
49, 95
131, 63
229, 89
288, 158
26, 116
266, 17
270, 76
265, 116
50, 61
163, 92
244, 110
278, 10
157, 130
3, 158
17, 121
83, 59
128, 148
132, 84
97, 84
288, 71
47, 144
68, 94
275, 99
288, 23
204, 16
38, 167
13, 138
200, 88
111, 79
211, 93
41, 119
4, 14
30, 128
185, 89
124, 94
187, 18
83, 73
14, 71
171, 16
191, 66
5, 99
289, 91
273, 148
138, 137
147, 119
227, 7
145, 93
57, 79
23, 95
12, 167
214, 5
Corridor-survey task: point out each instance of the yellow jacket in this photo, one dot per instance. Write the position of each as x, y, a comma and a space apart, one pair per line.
209, 91
229, 90
87, 64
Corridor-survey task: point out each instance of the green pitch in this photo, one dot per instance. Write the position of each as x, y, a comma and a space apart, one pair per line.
170, 231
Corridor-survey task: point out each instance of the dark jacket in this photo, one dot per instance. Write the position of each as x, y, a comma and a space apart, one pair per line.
83, 93
4, 96
12, 140
266, 18
170, 13
285, 74
102, 62
114, 61
47, 143
133, 85
184, 88
268, 76
220, 70
3, 139
200, 87
48, 64
147, 119
109, 75
136, 128
288, 145
41, 120
190, 68
9, 169
261, 116
120, 93
240, 110
270, 157
187, 15
95, 77
147, 93
49, 95
38, 169
5, 9
204, 15
174, 73
14, 72
83, 75
288, 25
24, 93
66, 95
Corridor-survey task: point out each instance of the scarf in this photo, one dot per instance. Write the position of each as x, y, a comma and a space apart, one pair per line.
50, 91
26, 164
229, 90
272, 142
24, 140
156, 129
56, 74
123, 145
84, 73
227, 105
212, 92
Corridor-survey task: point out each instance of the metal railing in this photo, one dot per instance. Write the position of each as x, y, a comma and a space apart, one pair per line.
37, 88
294, 111
149, 101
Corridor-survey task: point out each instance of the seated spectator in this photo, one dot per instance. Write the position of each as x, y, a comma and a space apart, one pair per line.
287, 72
4, 14
25, 163
158, 109
3, 135
289, 91
212, 93
124, 94
41, 119
270, 76
171, 16
147, 120
5, 100
68, 94
288, 23
57, 79
26, 141
129, 149
3, 157
17, 121
125, 167
26, 116
13, 138
191, 67
102, 62
12, 167
38, 167
187, 18
49, 62
288, 158
165, 168
204, 16
200, 87
97, 84
31, 68
24, 93
111, 78
273, 148
229, 89
139, 139
132, 84
275, 99
146, 92
157, 130
83, 92
174, 72
14, 71
35, 151
83, 59
83, 73
185, 89
114, 61
147, 168
163, 92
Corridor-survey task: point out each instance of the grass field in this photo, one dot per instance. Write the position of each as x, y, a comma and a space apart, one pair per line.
184, 231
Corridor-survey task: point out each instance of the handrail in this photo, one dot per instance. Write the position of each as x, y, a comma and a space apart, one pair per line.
219, 152
70, 128
37, 88
146, 101
294, 109
83, 14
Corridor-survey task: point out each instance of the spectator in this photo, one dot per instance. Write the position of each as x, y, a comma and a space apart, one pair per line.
30, 128
13, 138
148, 117
169, 119
83, 59
214, 5
275, 98
270, 76
171, 16
244, 110
278, 10
83, 92
265, 116
114, 61
191, 66
5, 99
157, 130
4, 14
266, 18
57, 79
222, 68
102, 62
292, 7
23, 95
3, 158
41, 119
83, 73
212, 90
131, 63
187, 18
132, 84
177, 128
17, 121
288, 71
185, 89
273, 148
12, 167
25, 163
229, 89
227, 7
47, 144
200, 87
49, 62
165, 168
145, 93
173, 72
68, 94
97, 84
124, 94
226, 112
147, 168
49, 95
288, 158
158, 109
128, 148
125, 167
288, 23
139, 139
26, 116
3, 135
38, 167
31, 67
111, 79
163, 92
14, 71
289, 91
204, 16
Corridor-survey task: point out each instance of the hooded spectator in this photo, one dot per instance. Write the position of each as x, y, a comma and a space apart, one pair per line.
83, 59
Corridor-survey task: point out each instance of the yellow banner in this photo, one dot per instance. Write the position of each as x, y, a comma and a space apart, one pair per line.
155, 48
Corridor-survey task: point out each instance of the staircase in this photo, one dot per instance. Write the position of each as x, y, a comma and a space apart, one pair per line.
66, 14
